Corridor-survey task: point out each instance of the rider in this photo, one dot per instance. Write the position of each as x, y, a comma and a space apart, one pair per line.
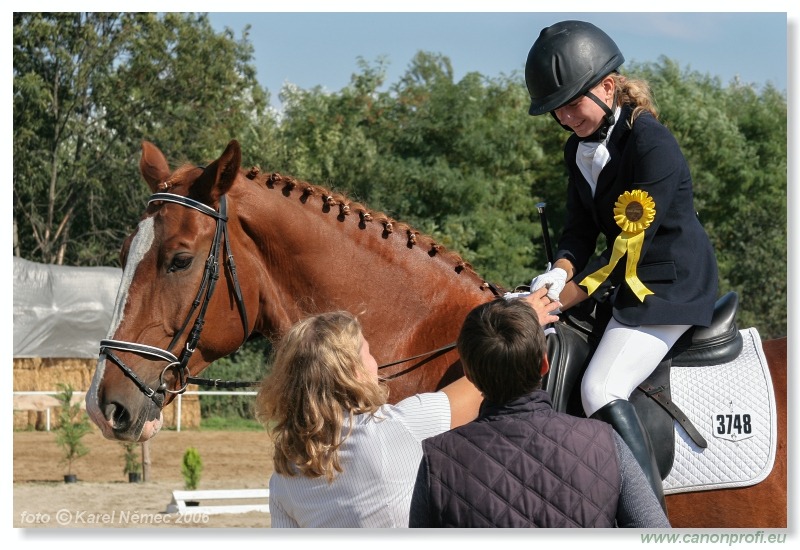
629, 182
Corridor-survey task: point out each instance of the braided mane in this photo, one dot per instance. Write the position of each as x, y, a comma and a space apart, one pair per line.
333, 200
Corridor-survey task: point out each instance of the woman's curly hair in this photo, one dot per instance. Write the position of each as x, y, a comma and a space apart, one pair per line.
634, 92
317, 380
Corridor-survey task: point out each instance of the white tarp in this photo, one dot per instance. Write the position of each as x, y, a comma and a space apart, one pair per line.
62, 311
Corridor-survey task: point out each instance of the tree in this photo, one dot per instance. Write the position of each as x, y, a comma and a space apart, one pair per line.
88, 88
191, 468
132, 459
753, 212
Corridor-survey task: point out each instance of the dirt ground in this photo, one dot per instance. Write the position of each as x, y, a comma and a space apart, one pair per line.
103, 497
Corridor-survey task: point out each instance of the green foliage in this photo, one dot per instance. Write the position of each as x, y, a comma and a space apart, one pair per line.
191, 468
250, 363
460, 160
131, 456
72, 426
88, 88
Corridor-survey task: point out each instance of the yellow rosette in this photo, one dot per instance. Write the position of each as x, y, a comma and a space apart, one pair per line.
634, 211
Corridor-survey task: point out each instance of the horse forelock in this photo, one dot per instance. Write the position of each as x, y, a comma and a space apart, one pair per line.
343, 206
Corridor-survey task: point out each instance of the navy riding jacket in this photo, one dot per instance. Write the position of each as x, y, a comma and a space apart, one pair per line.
677, 262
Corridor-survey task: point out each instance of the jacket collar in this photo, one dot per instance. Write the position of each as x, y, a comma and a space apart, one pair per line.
534, 401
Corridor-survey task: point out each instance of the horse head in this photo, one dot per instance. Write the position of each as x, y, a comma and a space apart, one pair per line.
175, 258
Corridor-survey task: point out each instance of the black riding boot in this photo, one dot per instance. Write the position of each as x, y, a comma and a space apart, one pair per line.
622, 416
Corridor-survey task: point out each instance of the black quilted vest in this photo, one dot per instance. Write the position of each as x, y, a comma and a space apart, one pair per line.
524, 465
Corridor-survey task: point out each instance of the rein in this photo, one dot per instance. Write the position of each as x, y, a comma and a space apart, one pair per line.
429, 355
202, 300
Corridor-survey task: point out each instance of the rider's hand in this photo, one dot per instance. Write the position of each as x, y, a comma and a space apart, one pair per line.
554, 280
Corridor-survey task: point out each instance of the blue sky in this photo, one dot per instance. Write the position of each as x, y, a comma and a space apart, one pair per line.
315, 48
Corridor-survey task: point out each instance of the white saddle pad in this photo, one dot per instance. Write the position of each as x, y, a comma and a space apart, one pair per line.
733, 407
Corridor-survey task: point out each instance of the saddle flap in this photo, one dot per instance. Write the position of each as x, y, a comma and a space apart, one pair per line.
720, 342
568, 353
657, 422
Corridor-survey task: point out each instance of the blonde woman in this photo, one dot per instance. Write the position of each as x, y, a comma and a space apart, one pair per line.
629, 183
343, 456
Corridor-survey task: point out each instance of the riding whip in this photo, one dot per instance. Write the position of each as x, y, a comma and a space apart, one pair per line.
548, 250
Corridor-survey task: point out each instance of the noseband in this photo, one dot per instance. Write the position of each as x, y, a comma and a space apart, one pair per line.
202, 299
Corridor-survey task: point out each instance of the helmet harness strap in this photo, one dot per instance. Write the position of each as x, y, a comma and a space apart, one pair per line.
608, 120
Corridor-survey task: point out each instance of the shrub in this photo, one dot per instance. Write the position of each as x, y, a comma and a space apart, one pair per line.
133, 463
73, 424
191, 468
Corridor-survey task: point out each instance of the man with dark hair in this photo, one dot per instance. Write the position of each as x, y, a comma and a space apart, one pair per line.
520, 463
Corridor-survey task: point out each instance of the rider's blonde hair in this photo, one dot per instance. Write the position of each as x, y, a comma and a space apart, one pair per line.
636, 93
317, 381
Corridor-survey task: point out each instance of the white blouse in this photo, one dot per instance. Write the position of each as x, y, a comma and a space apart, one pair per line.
380, 460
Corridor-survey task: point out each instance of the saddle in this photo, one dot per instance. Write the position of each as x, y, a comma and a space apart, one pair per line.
571, 344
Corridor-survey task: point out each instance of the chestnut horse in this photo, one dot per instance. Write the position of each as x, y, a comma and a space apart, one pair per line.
282, 249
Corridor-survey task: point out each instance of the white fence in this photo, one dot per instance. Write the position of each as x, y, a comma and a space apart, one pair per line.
220, 501
44, 401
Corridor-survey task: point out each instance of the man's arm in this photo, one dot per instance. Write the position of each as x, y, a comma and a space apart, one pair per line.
638, 505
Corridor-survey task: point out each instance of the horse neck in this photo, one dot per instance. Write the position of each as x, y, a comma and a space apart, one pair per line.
312, 256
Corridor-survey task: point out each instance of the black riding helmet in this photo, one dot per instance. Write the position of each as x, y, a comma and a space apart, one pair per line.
566, 61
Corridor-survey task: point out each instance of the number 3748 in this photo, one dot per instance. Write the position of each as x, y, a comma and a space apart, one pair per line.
733, 424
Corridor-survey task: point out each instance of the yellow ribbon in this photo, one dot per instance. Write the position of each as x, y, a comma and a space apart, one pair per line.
633, 212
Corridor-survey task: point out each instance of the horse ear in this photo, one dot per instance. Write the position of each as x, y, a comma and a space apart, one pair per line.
153, 165
219, 176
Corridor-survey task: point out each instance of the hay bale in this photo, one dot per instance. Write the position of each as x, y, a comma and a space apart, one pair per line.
190, 411
45, 373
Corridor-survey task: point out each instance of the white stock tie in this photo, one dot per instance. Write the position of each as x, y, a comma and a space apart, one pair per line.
591, 158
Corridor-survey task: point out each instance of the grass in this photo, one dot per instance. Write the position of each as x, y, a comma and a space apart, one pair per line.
231, 424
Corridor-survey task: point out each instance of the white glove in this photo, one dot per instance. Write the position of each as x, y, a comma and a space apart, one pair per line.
548, 329
554, 279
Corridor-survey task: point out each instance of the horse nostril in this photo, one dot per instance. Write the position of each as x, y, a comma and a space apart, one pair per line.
118, 416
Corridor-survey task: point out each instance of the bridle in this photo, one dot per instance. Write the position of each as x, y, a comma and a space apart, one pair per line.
202, 299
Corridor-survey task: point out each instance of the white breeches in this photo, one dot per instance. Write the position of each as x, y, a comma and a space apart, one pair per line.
625, 357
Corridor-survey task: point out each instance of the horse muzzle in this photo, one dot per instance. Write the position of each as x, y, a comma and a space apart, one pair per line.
123, 412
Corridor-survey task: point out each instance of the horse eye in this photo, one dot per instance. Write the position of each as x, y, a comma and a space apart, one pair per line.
180, 263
